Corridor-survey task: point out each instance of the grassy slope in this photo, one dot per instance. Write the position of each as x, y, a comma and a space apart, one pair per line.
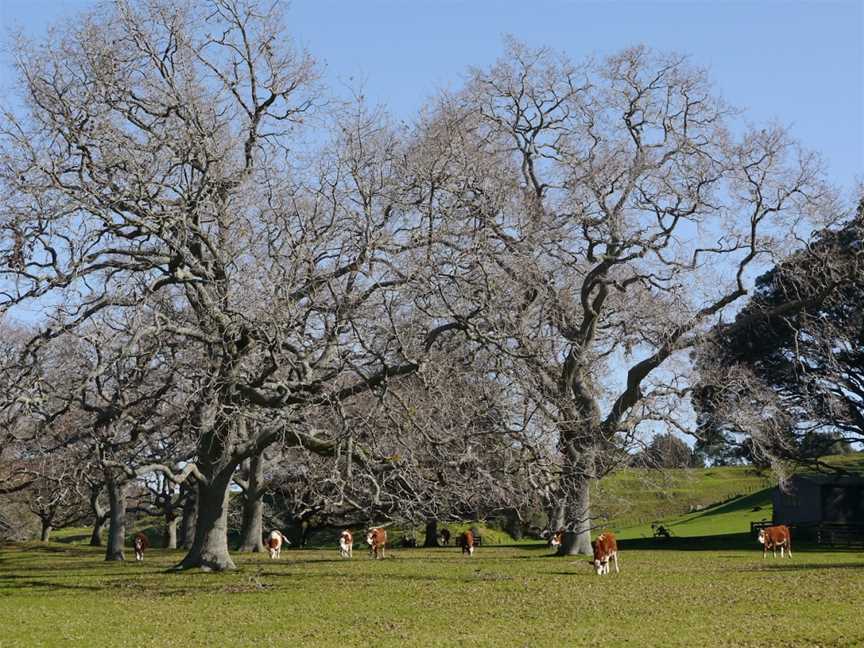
735, 496
63, 595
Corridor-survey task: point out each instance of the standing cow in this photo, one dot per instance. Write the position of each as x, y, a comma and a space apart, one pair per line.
605, 549
377, 541
274, 543
445, 537
773, 537
556, 538
140, 543
466, 541
346, 544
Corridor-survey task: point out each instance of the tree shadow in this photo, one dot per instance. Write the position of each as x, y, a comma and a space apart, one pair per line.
798, 566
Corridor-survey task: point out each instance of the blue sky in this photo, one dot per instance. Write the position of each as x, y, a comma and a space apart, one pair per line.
801, 63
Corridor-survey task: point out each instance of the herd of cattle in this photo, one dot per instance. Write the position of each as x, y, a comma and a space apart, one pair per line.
605, 546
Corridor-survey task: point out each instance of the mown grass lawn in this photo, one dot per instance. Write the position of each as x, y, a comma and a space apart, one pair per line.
63, 595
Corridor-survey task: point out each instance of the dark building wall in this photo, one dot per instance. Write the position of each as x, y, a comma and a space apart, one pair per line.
819, 500
844, 504
802, 504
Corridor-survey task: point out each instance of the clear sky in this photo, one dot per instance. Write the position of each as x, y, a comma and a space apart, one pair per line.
801, 63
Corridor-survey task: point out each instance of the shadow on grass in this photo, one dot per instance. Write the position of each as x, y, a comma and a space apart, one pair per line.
51, 586
703, 543
760, 498
798, 566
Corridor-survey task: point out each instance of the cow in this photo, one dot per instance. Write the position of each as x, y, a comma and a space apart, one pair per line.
274, 543
605, 549
377, 540
466, 541
140, 543
445, 537
346, 544
557, 538
773, 537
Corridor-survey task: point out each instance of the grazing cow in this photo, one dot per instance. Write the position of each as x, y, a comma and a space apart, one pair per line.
773, 537
140, 543
377, 541
346, 544
466, 541
556, 538
445, 537
274, 543
605, 549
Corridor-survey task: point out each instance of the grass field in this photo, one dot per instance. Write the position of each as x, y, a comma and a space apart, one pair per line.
65, 595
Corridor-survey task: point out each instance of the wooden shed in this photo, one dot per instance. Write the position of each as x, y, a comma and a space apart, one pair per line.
819, 499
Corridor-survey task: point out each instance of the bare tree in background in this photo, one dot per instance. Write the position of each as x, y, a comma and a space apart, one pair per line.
160, 157
599, 219
55, 494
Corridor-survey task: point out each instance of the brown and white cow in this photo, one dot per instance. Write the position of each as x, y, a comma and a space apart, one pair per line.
140, 543
605, 549
773, 537
556, 538
274, 543
466, 541
445, 537
377, 541
346, 544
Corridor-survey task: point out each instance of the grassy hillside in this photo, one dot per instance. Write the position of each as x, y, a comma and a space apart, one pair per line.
633, 498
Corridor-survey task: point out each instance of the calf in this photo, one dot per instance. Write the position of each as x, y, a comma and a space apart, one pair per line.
556, 538
445, 537
346, 544
140, 543
605, 549
466, 541
274, 543
377, 541
773, 537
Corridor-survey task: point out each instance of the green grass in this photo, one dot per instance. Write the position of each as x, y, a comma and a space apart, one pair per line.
637, 497
65, 595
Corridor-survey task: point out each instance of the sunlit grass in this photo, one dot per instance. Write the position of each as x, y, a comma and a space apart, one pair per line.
66, 595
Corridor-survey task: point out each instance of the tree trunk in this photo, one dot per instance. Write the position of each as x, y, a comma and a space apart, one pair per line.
209, 549
98, 527
431, 534
577, 541
46, 530
100, 516
251, 531
557, 517
116, 520
169, 536
187, 526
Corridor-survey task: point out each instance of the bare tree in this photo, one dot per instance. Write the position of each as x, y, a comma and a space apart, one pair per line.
55, 495
159, 159
598, 219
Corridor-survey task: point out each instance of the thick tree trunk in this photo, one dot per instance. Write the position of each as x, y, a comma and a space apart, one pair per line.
46, 531
116, 520
98, 527
431, 534
557, 517
577, 541
187, 526
209, 550
169, 536
100, 516
251, 531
